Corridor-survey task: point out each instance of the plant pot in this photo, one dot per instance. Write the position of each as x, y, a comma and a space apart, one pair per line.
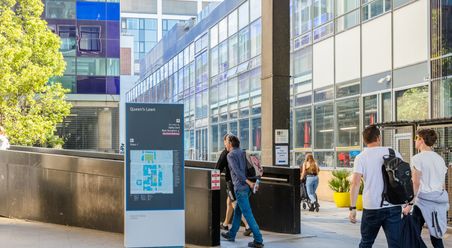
342, 199
359, 202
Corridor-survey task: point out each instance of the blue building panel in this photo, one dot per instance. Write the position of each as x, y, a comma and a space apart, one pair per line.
97, 11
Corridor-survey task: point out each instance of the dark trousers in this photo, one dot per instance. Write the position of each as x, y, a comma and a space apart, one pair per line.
436, 242
388, 218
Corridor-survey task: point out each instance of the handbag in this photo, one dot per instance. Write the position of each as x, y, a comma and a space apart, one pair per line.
230, 190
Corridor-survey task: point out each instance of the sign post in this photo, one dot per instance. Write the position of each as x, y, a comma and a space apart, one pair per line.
154, 195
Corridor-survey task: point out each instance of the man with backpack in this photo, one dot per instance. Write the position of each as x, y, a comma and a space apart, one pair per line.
238, 166
377, 211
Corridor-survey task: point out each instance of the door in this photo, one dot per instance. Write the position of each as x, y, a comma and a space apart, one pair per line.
404, 145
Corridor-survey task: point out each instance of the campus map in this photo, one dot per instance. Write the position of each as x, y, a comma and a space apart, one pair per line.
151, 172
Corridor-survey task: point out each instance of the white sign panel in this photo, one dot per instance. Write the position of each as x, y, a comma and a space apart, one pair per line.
281, 136
282, 155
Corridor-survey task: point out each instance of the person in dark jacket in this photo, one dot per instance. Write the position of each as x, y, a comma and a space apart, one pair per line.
222, 165
237, 165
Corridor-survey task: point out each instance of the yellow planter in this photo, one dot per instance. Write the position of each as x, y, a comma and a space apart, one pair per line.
342, 199
359, 202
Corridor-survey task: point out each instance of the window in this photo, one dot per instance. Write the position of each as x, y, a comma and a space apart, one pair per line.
442, 95
223, 57
370, 110
348, 21
244, 45
244, 129
302, 62
347, 114
323, 11
255, 33
223, 30
233, 51
232, 23
324, 129
303, 122
347, 89
244, 15
64, 9
112, 67
167, 25
244, 86
214, 36
324, 94
232, 90
255, 9
345, 6
412, 104
375, 8
301, 17
90, 39
323, 31
256, 134
70, 65
398, 3
214, 61
68, 35
324, 159
91, 66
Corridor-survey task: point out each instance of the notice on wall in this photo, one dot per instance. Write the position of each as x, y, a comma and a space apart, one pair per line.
154, 176
281, 136
215, 180
282, 155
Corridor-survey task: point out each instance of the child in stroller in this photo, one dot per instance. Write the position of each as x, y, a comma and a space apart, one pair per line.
305, 198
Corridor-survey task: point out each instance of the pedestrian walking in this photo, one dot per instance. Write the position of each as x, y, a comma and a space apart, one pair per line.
429, 176
4, 142
376, 213
309, 174
222, 165
237, 165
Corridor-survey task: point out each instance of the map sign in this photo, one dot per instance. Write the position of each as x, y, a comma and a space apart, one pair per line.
151, 172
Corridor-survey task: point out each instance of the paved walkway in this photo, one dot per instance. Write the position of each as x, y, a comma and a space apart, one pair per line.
327, 228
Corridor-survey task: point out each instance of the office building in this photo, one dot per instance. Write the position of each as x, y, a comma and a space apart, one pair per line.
90, 34
353, 63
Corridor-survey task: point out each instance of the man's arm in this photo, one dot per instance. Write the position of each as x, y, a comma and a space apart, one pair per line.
354, 189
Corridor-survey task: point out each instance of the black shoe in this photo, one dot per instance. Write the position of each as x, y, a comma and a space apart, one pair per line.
247, 232
226, 236
223, 227
255, 244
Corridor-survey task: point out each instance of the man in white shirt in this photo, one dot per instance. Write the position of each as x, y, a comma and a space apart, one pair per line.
368, 165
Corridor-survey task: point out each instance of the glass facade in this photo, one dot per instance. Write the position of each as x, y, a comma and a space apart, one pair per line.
89, 32
326, 120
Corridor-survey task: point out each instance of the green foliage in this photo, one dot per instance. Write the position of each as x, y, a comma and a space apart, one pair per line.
30, 108
339, 182
413, 104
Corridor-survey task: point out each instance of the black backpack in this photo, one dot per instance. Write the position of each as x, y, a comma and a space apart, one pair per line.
398, 187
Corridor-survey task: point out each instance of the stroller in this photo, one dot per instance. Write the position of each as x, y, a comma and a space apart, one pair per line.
305, 198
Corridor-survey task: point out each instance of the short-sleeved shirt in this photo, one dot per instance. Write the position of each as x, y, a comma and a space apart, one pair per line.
433, 170
368, 163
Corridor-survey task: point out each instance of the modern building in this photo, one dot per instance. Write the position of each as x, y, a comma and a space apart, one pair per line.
353, 63
149, 20
90, 35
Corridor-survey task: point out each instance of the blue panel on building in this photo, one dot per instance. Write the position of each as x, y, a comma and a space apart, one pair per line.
97, 11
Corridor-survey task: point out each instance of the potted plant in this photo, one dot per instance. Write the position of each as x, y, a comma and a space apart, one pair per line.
341, 187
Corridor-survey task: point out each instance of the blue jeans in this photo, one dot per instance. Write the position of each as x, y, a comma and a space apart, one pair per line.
243, 207
311, 186
388, 218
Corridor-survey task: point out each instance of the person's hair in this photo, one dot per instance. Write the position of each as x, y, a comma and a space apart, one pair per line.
235, 142
2, 130
226, 136
371, 134
310, 161
428, 135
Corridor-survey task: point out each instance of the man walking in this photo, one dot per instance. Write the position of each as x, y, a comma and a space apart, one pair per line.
237, 166
376, 214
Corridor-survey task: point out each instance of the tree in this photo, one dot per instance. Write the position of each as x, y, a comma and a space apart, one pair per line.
30, 107
413, 104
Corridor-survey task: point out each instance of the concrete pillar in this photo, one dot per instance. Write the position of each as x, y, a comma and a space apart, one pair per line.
275, 81
105, 129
